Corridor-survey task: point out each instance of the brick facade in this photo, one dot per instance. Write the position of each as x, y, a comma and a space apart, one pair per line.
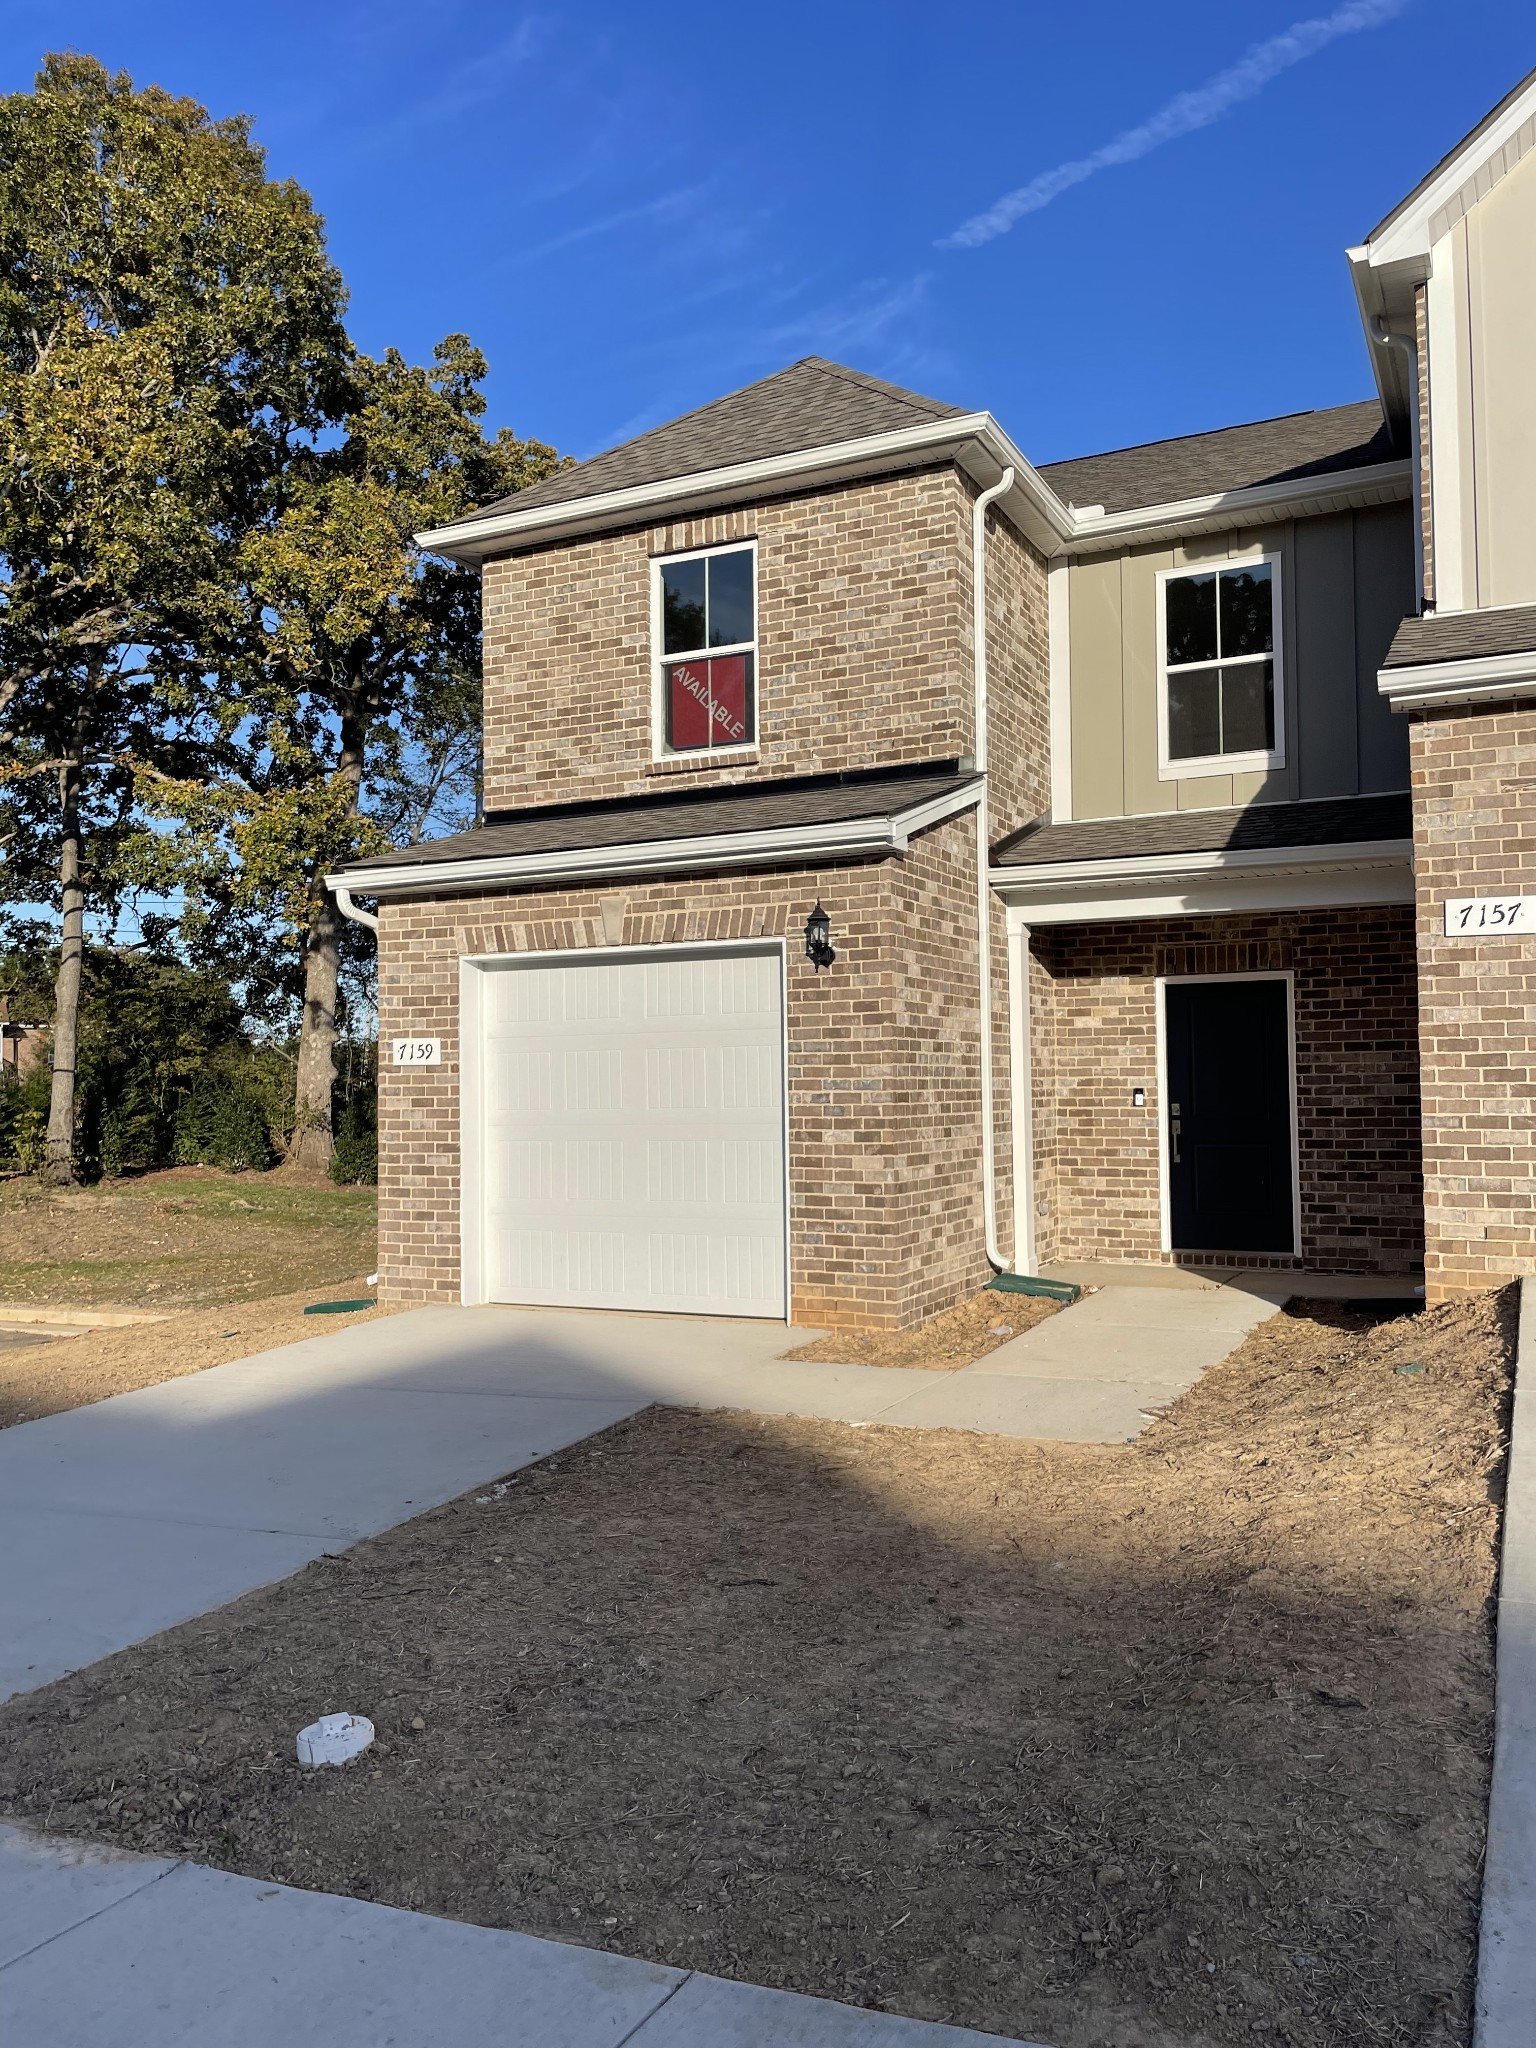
1474, 791
864, 648
884, 1100
1094, 1006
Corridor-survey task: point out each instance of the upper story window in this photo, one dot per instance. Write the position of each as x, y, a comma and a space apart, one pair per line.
705, 630
1219, 680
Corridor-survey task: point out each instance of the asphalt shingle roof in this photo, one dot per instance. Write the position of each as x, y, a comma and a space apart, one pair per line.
810, 404
1325, 821
1463, 636
688, 814
1300, 444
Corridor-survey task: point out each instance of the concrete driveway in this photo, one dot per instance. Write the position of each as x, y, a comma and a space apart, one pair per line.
124, 1518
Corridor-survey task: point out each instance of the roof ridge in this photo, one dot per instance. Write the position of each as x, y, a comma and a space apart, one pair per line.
1210, 433
936, 407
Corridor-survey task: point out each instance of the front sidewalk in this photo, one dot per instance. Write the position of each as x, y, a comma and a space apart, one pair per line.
99, 1949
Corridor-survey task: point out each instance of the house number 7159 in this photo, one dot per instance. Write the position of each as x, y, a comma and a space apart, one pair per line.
1487, 917
416, 1052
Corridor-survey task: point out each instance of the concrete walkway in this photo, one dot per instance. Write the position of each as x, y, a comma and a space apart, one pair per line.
124, 1518
103, 1950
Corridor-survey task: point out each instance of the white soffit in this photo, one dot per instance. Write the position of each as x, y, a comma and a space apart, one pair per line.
1426, 685
1200, 884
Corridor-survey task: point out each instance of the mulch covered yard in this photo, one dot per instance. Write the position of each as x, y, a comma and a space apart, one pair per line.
1178, 1743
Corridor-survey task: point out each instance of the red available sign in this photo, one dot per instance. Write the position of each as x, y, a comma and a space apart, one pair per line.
707, 704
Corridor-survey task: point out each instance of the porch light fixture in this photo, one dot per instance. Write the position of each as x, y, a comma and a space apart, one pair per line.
818, 939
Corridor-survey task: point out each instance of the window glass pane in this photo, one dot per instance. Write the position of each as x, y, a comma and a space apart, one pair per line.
1248, 708
730, 599
710, 703
688, 704
731, 699
1191, 602
1194, 713
1247, 622
682, 602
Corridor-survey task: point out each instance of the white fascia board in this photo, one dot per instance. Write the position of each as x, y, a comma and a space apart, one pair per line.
842, 839
1032, 504
1186, 884
1406, 237
1381, 484
1428, 684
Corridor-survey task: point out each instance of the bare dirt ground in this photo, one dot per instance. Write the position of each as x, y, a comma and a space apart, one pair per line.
1164, 1746
958, 1336
69, 1372
187, 1238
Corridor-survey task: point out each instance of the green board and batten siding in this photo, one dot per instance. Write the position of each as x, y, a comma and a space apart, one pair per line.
1346, 582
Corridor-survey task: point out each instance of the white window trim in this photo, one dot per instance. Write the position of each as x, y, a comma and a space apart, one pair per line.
1171, 769
660, 751
473, 970
1164, 1162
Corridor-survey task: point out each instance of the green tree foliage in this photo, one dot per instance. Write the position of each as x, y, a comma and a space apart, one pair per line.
169, 335
163, 1051
354, 661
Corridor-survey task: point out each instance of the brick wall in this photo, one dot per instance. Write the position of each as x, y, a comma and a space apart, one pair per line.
864, 631
884, 1110
1094, 1004
1474, 811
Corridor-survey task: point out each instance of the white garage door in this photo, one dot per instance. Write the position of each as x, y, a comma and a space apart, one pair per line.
633, 1144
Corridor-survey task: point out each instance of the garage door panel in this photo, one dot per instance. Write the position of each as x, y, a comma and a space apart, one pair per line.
632, 1148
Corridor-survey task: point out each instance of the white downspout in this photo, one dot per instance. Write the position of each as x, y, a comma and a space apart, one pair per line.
348, 908
983, 851
1410, 350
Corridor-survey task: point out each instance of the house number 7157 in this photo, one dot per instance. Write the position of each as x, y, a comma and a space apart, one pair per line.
1478, 917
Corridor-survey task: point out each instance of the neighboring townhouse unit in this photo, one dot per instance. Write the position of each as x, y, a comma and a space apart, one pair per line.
900, 862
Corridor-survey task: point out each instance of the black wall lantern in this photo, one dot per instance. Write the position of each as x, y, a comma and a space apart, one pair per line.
818, 939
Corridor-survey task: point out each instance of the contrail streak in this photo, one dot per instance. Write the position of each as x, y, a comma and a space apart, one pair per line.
1181, 115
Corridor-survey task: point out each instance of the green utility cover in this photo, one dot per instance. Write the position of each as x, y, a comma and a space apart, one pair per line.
339, 1308
1027, 1283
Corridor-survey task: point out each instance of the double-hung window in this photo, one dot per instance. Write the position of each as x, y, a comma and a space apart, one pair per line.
1220, 671
706, 624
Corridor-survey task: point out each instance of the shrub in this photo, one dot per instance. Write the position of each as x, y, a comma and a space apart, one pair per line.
355, 1160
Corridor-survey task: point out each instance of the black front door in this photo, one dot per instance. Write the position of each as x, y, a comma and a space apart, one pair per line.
1229, 1116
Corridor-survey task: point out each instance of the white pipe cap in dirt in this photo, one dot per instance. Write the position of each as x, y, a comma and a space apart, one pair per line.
334, 1739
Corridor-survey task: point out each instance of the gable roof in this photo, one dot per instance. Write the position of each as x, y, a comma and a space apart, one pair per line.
1296, 445
810, 405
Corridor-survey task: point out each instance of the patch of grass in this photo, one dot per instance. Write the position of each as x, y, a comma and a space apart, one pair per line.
183, 1239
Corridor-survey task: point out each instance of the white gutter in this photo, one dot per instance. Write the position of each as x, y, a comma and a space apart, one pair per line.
1171, 884
348, 908
975, 441
781, 845
1425, 685
983, 854
1037, 509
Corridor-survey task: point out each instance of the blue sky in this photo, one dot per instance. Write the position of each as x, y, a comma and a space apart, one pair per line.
634, 209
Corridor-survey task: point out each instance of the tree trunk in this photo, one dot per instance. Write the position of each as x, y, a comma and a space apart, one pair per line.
313, 1140
59, 1162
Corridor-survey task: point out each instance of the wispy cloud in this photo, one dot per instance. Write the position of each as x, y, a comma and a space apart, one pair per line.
1181, 115
670, 207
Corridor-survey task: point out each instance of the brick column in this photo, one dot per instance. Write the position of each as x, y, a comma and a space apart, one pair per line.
1474, 803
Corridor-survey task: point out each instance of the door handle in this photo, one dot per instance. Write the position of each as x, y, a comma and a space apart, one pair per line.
1173, 1131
